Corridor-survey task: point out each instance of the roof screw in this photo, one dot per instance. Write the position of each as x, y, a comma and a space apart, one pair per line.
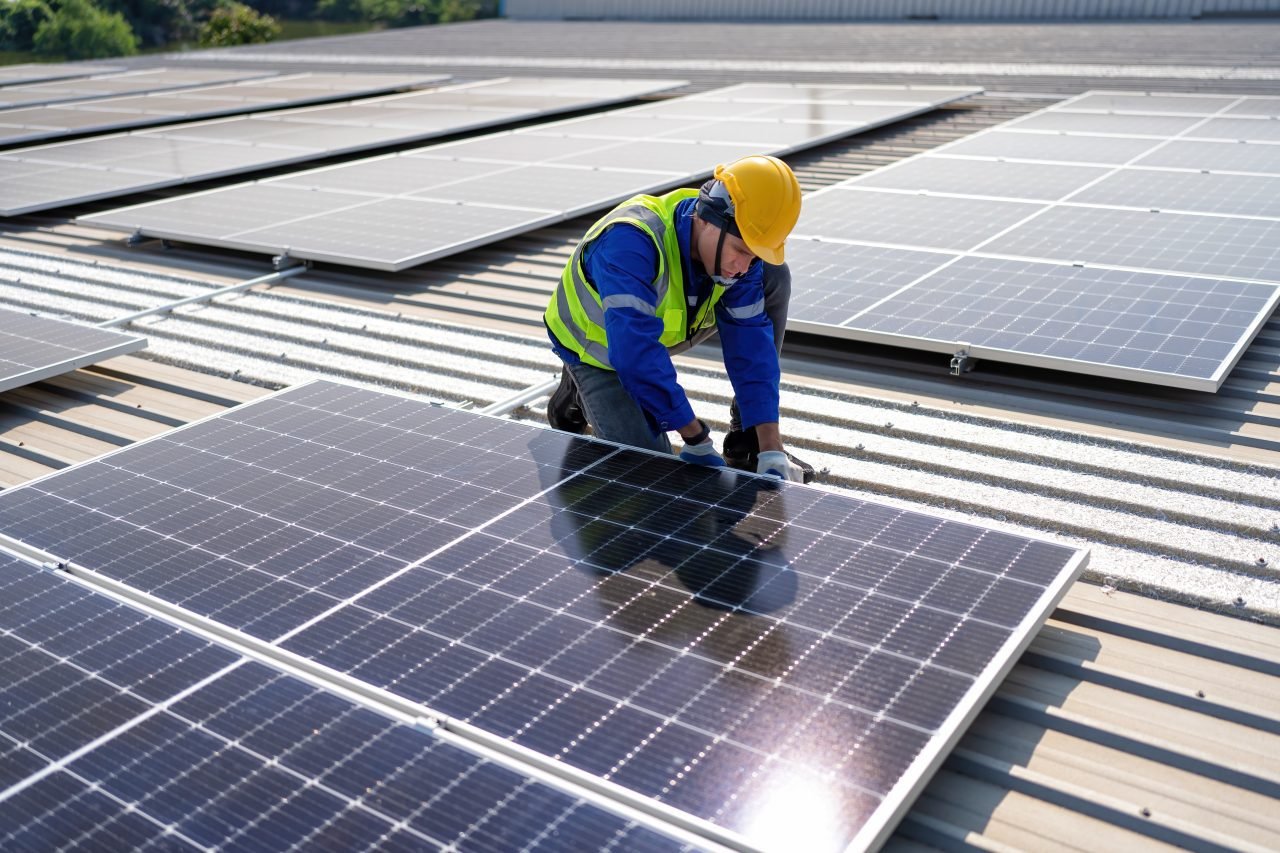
1146, 812
915, 404
888, 424
1262, 561
1239, 602
1275, 528
1199, 694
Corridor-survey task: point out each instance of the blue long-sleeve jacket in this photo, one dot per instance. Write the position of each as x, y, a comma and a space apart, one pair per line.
624, 261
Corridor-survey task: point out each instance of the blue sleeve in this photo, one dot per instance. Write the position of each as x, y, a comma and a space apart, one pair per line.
750, 357
622, 263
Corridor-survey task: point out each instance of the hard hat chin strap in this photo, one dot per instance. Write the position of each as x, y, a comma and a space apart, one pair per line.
719, 249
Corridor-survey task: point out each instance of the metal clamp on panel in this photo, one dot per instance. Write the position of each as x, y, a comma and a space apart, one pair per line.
962, 362
283, 261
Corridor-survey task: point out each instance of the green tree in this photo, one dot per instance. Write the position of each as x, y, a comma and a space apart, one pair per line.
399, 13
80, 30
160, 22
19, 21
235, 23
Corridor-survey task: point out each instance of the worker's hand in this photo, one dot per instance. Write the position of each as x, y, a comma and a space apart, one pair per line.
702, 454
776, 464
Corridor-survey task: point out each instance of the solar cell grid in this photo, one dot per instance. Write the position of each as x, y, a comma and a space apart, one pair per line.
1159, 209
1201, 105
793, 92
290, 136
34, 348
33, 72
128, 82
1106, 123
1239, 129
855, 277
708, 639
120, 729
116, 113
1268, 107
931, 222
1217, 156
1243, 195
1184, 328
1105, 150
998, 179
659, 148
1173, 242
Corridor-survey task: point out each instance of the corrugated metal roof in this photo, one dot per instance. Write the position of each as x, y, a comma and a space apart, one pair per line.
1123, 703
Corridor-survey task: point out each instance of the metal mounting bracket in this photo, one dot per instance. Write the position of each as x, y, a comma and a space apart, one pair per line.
282, 261
962, 362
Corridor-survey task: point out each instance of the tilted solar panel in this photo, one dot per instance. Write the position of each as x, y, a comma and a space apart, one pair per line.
34, 348
782, 665
123, 83
117, 164
35, 72
1048, 220
526, 178
118, 113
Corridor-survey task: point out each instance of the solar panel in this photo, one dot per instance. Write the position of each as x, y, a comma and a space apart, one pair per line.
219, 147
990, 178
1199, 192
35, 348
776, 661
120, 730
45, 122
123, 83
1106, 150
554, 171
34, 72
1105, 123
1130, 195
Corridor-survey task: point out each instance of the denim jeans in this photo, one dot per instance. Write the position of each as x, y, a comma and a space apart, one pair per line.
615, 416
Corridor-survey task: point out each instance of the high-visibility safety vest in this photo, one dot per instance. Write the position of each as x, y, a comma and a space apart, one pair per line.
576, 313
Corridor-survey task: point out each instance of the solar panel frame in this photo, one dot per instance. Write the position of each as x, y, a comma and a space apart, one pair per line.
35, 348
290, 140
32, 124
1112, 224
603, 142
297, 411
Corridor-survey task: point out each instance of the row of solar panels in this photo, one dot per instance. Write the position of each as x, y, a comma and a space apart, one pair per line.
468, 192
939, 252
622, 651
1132, 236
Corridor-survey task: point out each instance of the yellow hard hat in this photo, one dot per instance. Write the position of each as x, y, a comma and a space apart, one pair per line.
766, 202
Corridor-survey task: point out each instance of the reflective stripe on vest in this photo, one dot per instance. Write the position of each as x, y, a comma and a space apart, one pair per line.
576, 313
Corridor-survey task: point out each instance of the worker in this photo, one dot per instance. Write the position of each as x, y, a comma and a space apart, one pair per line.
658, 275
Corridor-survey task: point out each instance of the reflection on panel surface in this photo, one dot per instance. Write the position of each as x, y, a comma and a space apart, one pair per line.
712, 640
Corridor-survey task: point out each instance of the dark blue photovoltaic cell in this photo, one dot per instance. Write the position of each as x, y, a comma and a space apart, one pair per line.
196, 748
710, 639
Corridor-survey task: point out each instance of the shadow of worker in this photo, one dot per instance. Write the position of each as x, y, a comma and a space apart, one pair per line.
720, 533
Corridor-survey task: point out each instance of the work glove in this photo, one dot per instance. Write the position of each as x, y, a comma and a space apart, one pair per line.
702, 454
775, 463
